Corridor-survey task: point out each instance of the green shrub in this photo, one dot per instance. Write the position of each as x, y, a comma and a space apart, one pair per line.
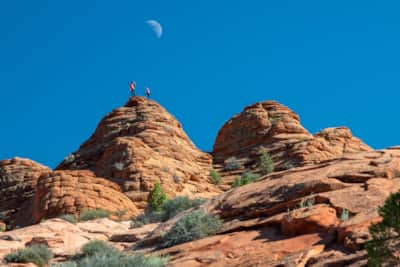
96, 247
194, 225
168, 210
2, 228
246, 178
69, 218
157, 197
88, 215
100, 254
121, 260
232, 164
177, 205
215, 177
385, 243
266, 163
345, 215
37, 254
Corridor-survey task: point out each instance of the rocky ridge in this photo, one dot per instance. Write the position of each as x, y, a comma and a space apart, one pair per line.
314, 210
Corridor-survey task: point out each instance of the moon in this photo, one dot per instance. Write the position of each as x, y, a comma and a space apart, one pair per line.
156, 27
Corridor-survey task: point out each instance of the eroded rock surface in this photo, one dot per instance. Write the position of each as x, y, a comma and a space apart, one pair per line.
18, 179
275, 128
139, 144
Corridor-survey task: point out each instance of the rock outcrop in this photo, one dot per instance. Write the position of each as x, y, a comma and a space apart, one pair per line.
139, 144
335, 201
72, 192
313, 210
273, 127
18, 180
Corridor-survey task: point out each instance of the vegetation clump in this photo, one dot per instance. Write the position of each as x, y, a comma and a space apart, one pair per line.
88, 215
194, 225
69, 218
232, 164
266, 163
156, 198
384, 246
37, 254
246, 178
169, 209
215, 177
100, 254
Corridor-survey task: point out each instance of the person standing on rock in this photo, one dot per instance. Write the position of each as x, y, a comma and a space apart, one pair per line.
147, 92
132, 87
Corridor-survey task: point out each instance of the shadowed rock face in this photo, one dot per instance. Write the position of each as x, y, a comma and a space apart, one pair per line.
18, 179
139, 144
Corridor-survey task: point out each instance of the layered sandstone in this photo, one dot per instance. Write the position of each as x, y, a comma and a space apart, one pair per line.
72, 192
140, 144
275, 128
18, 179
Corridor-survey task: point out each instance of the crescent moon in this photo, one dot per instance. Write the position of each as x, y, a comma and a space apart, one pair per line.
156, 27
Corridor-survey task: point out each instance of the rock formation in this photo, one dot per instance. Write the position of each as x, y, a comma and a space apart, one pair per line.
18, 179
313, 210
273, 127
139, 144
72, 192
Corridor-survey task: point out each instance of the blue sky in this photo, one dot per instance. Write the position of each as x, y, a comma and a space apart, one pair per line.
65, 64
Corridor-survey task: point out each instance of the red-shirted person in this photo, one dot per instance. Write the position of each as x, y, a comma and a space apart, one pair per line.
132, 87
147, 92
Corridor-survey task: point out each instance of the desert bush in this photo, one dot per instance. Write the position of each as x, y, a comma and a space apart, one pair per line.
88, 215
246, 178
100, 254
156, 198
178, 204
37, 254
384, 246
215, 177
169, 209
194, 225
69, 158
121, 260
2, 228
266, 163
68, 217
232, 164
345, 215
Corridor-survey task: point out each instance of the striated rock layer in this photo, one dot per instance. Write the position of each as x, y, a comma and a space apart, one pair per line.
18, 179
71, 192
273, 127
307, 216
139, 144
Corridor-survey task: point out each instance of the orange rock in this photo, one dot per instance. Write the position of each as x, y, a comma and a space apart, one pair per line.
18, 179
139, 144
71, 192
315, 219
273, 127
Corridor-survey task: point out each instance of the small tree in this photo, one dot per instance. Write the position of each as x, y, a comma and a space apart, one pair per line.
266, 163
385, 244
215, 177
157, 197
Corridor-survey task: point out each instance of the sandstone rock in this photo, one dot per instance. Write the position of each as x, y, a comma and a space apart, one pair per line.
315, 219
62, 237
18, 179
139, 144
134, 234
273, 127
263, 247
71, 192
